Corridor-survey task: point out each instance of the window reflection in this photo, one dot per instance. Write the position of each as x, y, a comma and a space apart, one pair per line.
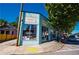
30, 32
44, 33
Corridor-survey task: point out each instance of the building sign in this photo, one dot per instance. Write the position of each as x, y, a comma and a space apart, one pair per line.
31, 18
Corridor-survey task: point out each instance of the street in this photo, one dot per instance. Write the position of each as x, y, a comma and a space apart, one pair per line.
72, 52
53, 47
66, 50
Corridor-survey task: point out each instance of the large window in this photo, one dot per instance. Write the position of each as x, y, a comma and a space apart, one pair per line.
7, 32
29, 33
44, 33
2, 31
12, 32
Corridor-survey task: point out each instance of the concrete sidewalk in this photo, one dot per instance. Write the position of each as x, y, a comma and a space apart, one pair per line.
9, 47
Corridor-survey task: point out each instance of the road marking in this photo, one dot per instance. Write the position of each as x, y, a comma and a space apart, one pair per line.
67, 50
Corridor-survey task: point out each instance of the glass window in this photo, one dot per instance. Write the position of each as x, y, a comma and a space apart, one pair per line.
44, 33
2, 31
12, 32
7, 32
30, 32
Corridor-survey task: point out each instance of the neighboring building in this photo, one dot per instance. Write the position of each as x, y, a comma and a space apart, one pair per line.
34, 29
7, 33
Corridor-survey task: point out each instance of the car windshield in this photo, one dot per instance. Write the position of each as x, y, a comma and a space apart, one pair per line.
72, 37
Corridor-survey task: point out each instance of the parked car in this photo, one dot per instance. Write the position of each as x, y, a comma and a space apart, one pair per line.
74, 38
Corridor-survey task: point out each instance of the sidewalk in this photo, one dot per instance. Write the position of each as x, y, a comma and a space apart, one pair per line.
10, 48
69, 47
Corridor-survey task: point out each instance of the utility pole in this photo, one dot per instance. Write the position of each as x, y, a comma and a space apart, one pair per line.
19, 25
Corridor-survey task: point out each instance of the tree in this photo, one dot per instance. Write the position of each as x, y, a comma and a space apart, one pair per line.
62, 16
17, 19
3, 23
13, 24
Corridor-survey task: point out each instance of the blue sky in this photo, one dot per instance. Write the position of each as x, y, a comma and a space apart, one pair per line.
10, 11
76, 29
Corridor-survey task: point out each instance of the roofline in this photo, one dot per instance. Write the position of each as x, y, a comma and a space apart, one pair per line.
35, 13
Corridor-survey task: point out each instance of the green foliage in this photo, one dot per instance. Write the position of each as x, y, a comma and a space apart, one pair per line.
3, 23
13, 24
62, 16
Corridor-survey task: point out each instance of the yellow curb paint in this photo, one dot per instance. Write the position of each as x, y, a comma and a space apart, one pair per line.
32, 49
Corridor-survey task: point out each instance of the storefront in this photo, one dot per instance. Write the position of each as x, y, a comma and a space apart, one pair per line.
34, 29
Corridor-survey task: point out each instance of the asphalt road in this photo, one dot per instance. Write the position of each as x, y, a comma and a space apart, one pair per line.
66, 50
74, 52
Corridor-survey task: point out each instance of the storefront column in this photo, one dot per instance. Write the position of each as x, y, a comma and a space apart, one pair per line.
39, 30
49, 32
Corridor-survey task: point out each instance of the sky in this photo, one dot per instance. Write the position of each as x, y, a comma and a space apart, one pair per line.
76, 29
10, 11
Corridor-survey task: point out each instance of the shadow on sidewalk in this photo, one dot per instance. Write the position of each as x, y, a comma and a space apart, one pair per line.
72, 42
